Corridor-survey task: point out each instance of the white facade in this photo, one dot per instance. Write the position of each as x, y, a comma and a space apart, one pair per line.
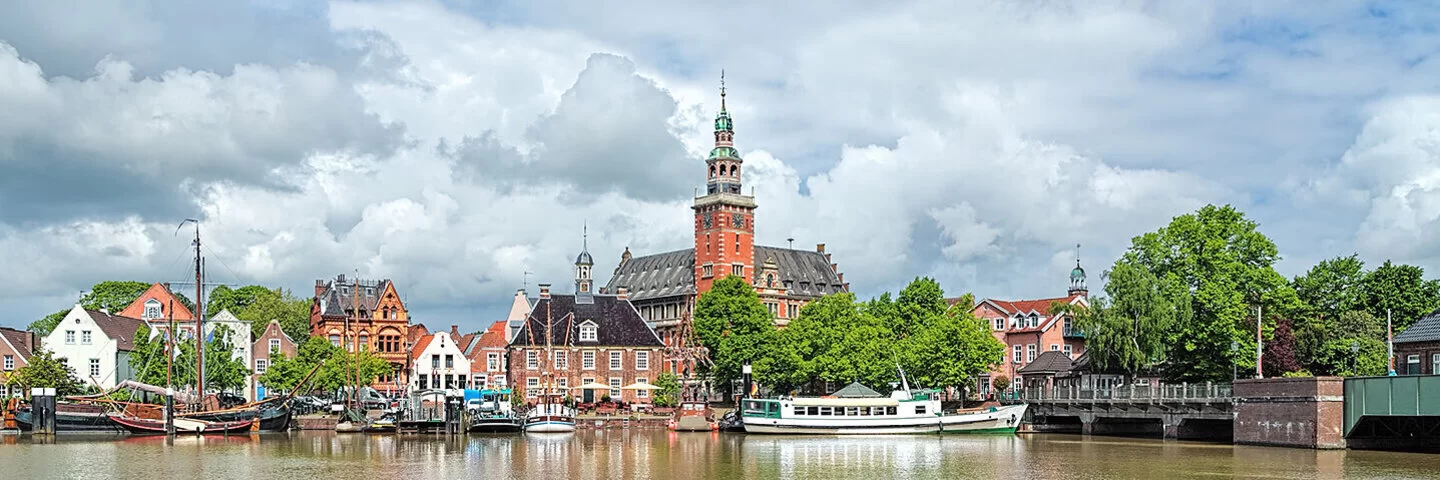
439, 364
95, 356
240, 343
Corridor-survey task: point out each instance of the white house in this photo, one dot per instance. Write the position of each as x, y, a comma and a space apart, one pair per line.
437, 362
240, 344
96, 344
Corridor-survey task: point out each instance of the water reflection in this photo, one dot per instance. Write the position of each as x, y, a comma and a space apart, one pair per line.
685, 456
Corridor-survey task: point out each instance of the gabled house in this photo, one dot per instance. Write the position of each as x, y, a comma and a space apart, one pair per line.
438, 362
16, 346
96, 344
589, 338
486, 353
271, 345
1029, 328
1417, 349
375, 316
157, 305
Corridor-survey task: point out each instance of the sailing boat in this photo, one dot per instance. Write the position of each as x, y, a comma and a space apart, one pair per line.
552, 414
353, 420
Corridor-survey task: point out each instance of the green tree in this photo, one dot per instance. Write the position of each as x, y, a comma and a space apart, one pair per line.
1227, 265
338, 370
44, 370
1403, 291
112, 296
918, 303
951, 350
669, 393
261, 305
734, 325
1332, 287
1129, 331
235, 300
223, 372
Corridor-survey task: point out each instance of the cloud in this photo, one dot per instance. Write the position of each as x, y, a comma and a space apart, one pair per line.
114, 144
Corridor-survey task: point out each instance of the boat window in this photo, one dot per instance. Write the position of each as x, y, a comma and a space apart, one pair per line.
889, 410
851, 411
824, 411
775, 408
919, 409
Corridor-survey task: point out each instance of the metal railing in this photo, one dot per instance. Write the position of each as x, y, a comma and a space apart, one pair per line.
1161, 393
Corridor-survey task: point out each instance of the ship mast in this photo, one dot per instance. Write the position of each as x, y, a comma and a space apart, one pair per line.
199, 313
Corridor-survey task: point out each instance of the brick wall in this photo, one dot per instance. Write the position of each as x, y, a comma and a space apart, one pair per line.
1425, 350
575, 373
1290, 412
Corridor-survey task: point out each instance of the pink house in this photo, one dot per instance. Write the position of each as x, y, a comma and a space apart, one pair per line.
1029, 328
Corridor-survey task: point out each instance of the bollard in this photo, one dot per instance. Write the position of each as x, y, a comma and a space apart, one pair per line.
43, 401
170, 412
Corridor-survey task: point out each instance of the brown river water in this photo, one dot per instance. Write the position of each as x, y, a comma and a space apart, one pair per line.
684, 456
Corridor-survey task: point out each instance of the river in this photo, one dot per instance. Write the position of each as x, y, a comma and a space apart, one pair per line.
684, 456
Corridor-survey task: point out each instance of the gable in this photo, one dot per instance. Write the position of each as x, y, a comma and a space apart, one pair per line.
157, 295
618, 323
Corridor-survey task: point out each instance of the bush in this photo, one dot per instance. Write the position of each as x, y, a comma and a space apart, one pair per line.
1297, 374
1001, 383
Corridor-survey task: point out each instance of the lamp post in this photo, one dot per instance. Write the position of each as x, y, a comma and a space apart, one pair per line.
1354, 355
1234, 370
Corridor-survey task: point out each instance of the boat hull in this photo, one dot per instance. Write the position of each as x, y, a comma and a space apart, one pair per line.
1000, 420
550, 424
694, 424
271, 419
141, 426
72, 421
496, 425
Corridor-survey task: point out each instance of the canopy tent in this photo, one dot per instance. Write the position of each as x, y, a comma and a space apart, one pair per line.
639, 386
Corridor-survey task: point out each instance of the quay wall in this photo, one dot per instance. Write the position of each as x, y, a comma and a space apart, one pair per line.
1290, 412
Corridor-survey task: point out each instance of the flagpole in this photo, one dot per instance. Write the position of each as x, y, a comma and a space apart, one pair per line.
1259, 341
1390, 342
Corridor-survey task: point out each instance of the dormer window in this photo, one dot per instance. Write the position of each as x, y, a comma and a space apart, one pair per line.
769, 280
589, 332
1034, 320
152, 309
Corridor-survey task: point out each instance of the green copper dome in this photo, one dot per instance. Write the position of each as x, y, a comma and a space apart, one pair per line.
722, 122
1077, 273
724, 152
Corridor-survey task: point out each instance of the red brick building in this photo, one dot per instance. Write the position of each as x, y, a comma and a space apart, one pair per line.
486, 351
1417, 349
16, 346
583, 338
664, 286
271, 345
377, 319
1029, 328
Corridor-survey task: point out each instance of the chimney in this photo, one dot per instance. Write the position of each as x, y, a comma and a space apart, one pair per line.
827, 257
455, 332
820, 247
544, 290
319, 287
842, 276
622, 293
340, 278
835, 267
166, 285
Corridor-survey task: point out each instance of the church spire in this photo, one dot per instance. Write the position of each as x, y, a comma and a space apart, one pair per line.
724, 161
584, 263
1077, 276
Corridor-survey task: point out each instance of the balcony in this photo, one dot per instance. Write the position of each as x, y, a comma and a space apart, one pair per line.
1071, 332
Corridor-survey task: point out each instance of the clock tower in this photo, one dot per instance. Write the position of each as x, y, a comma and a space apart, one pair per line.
724, 216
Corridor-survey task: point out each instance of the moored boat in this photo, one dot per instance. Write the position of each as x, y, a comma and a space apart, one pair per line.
146, 426
694, 417
550, 417
273, 416
72, 417
494, 415
857, 410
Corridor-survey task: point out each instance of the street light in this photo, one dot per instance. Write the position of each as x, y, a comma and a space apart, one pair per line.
1354, 355
1234, 370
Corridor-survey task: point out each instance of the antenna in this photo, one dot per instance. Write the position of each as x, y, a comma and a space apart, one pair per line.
525, 280
1077, 254
791, 240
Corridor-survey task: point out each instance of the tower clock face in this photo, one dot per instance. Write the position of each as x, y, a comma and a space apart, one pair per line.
708, 219
737, 220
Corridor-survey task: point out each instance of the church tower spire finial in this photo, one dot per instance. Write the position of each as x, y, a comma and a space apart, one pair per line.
584, 263
1077, 276
722, 90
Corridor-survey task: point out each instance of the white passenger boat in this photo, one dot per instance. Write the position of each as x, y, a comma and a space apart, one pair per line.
856, 410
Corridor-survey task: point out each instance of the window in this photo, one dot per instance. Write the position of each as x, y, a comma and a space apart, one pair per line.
707, 271
774, 308
615, 388
919, 409
642, 360
1068, 351
737, 269
1054, 347
1034, 321
1412, 365
1017, 354
1030, 353
498, 381
69, 337
532, 384
588, 333
999, 324
587, 360
274, 346
335, 340
642, 393
260, 365
769, 280
85, 337
1434, 364
480, 381
615, 360
532, 359
364, 343
9, 362
95, 367
561, 360
152, 309
1068, 327
492, 361
449, 361
434, 362
421, 380
790, 310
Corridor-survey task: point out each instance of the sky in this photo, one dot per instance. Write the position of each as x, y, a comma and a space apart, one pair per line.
454, 146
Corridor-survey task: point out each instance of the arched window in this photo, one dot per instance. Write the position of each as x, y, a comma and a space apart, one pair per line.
734, 170
769, 280
712, 171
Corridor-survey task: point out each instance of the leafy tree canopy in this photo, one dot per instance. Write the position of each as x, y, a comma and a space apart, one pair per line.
338, 371
112, 295
1402, 291
45, 370
733, 324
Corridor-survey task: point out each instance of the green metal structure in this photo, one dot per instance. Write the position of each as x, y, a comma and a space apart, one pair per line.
1389, 400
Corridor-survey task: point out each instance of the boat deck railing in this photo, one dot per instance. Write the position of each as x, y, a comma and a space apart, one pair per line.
1161, 393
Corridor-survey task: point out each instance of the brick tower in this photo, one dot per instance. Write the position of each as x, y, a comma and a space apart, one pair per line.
724, 217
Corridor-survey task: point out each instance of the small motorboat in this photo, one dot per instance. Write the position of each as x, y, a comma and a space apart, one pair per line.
494, 414
694, 417
550, 418
382, 425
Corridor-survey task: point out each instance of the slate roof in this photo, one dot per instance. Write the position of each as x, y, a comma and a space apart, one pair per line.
617, 322
1049, 362
19, 339
856, 390
805, 273
337, 303
1427, 329
121, 329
